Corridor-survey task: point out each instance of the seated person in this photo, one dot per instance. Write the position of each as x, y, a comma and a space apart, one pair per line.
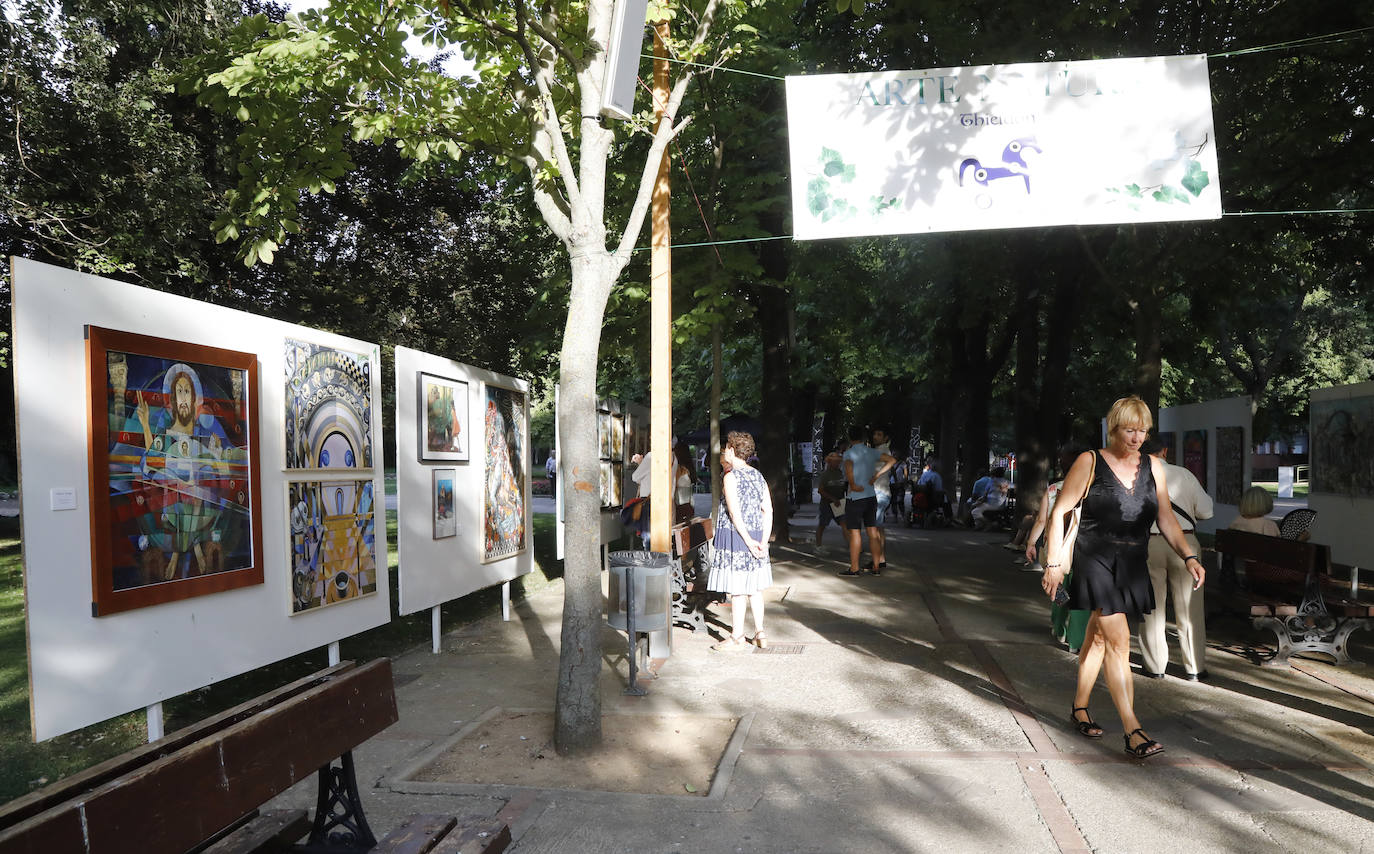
1255, 505
987, 510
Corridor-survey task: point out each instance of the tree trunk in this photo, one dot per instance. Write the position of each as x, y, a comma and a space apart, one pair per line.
577, 726
1149, 353
774, 305
1032, 453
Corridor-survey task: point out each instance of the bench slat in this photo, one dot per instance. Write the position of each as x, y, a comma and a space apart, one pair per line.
36, 802
176, 802
418, 835
276, 828
468, 838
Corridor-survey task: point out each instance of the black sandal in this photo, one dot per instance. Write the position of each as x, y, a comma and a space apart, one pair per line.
1147, 748
1087, 728
849, 573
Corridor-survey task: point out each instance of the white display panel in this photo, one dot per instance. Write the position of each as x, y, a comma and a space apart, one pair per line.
1340, 479
1230, 412
85, 669
433, 571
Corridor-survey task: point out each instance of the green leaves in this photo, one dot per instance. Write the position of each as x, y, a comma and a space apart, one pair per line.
1196, 178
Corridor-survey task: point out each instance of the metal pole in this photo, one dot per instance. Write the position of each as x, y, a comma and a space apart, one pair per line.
633, 689
434, 626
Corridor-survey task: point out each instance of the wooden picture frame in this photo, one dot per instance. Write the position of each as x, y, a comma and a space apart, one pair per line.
441, 413
174, 470
442, 493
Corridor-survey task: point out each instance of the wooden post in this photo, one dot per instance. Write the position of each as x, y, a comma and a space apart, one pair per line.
661, 487
716, 370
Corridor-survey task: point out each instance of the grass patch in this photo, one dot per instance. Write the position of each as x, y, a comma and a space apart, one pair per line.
25, 766
1272, 487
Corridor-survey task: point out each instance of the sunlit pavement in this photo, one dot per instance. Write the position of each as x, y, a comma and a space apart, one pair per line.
923, 710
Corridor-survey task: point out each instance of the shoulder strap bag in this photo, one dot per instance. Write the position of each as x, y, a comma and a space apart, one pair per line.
1071, 532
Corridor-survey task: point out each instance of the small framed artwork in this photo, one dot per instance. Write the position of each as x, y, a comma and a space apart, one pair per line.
445, 518
618, 437
174, 471
607, 485
442, 407
603, 434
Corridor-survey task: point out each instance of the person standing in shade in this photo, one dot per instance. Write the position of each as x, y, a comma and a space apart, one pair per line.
882, 488
739, 558
1123, 492
831, 488
862, 467
1170, 577
551, 469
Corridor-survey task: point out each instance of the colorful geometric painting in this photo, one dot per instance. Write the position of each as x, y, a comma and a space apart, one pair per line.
443, 407
503, 495
175, 479
333, 542
1343, 446
1230, 464
328, 408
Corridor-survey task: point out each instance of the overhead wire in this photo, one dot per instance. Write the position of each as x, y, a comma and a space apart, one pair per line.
1340, 37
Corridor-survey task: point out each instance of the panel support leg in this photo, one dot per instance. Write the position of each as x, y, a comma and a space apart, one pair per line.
155, 728
434, 630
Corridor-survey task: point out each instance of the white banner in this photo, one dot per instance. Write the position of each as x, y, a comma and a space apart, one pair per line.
1002, 146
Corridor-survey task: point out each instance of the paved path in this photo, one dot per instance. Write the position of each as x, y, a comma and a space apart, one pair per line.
921, 711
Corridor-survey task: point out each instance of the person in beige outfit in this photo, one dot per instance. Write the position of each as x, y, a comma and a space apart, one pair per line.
1168, 573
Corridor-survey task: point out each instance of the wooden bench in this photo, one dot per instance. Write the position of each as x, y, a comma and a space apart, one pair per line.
689, 600
1290, 591
201, 788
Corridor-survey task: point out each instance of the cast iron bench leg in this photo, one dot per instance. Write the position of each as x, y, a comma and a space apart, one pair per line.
339, 821
1341, 642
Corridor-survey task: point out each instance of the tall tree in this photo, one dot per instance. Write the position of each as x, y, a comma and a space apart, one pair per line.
302, 87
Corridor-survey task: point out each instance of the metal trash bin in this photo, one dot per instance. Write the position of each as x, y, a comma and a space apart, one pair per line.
648, 589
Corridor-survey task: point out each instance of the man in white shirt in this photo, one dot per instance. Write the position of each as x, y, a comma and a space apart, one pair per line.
1168, 574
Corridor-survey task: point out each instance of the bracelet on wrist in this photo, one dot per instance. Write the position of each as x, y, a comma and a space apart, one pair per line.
1053, 565
1192, 557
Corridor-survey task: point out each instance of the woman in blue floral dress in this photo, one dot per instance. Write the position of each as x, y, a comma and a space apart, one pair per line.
739, 559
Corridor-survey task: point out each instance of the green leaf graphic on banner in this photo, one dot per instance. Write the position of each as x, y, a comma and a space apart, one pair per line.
1171, 194
817, 196
878, 204
832, 163
1196, 179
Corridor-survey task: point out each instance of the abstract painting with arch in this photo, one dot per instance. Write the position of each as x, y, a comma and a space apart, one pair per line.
328, 408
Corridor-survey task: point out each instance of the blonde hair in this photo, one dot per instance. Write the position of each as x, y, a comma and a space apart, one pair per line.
1129, 412
1255, 502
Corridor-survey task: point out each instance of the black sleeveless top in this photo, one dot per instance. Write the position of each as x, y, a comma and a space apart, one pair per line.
1110, 571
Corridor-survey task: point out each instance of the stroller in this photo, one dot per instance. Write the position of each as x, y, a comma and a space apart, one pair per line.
929, 509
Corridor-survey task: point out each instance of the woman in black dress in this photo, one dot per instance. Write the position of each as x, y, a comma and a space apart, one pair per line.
1123, 492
